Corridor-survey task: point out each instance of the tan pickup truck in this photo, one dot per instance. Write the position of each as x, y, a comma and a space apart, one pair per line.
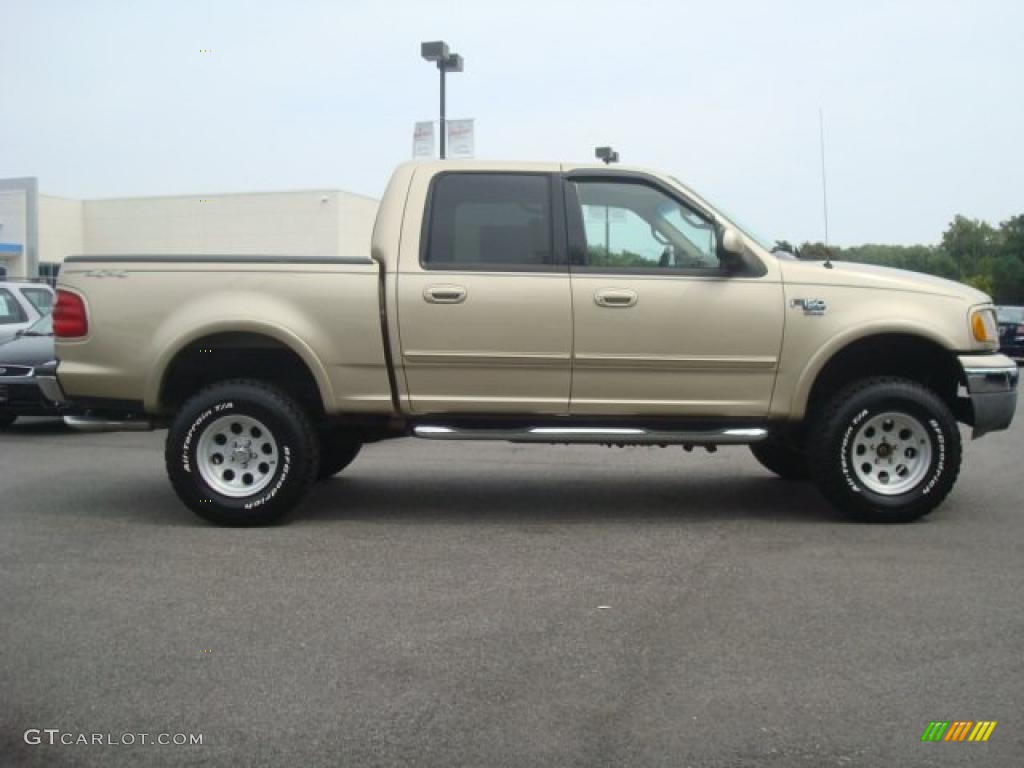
538, 303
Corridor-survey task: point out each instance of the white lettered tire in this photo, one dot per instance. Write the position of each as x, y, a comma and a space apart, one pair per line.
241, 453
885, 450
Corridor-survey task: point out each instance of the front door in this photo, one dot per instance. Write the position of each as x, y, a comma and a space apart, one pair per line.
661, 326
484, 306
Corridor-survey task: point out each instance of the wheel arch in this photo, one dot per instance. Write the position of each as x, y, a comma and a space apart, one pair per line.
233, 350
914, 353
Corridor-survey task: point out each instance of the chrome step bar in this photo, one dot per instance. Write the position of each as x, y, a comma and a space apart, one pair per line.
97, 424
615, 435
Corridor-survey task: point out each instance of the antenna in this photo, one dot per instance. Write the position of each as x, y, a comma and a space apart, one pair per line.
824, 184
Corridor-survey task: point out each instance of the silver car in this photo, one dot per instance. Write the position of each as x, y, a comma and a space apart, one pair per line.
21, 305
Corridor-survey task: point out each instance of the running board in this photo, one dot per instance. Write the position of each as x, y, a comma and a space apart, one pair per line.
615, 435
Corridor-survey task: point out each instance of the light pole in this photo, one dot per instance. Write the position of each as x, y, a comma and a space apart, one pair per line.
446, 62
609, 156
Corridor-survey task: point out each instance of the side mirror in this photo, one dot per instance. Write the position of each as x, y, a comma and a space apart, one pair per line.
731, 250
732, 241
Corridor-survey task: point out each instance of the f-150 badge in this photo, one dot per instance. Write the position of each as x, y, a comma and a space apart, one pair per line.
809, 306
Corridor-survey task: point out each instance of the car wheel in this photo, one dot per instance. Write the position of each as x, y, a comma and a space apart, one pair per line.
337, 451
6, 420
241, 453
885, 450
783, 456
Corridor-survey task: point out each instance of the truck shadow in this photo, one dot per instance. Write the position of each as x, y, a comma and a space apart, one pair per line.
419, 499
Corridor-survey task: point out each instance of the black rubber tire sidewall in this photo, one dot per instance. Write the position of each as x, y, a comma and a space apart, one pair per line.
286, 423
832, 459
7, 419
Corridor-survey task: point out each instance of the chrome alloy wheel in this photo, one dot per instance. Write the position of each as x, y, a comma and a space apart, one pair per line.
237, 456
891, 453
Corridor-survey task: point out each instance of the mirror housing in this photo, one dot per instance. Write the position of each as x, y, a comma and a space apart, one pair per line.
732, 241
731, 249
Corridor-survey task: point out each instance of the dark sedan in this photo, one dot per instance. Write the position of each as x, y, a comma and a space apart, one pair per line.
1011, 331
19, 390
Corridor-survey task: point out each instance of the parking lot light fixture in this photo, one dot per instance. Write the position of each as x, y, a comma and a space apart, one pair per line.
437, 52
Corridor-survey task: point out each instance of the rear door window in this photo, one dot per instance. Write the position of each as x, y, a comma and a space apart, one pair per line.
41, 299
11, 312
495, 221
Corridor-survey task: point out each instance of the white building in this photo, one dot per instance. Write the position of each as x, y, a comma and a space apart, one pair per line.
37, 232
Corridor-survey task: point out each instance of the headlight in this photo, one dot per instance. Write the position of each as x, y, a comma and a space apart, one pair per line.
984, 325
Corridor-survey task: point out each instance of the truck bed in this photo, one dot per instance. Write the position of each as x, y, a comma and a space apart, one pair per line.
144, 310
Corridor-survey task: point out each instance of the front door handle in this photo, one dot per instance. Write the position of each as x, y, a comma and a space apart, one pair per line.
616, 298
444, 294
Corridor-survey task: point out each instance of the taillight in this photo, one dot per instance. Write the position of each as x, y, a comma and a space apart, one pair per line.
69, 318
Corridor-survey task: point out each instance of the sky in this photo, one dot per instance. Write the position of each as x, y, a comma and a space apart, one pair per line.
923, 102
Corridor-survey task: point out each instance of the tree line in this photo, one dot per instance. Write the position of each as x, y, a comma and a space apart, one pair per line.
973, 251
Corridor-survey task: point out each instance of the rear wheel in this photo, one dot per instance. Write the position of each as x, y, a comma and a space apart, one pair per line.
885, 450
337, 451
783, 455
6, 419
241, 453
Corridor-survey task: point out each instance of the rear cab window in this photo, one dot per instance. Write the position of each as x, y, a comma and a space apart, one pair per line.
491, 221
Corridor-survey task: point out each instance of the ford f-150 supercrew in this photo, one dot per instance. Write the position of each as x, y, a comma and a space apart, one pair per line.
539, 303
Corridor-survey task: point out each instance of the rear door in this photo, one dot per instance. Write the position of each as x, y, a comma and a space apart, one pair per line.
484, 302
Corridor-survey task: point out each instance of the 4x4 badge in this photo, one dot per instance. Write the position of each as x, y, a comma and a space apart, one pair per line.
810, 306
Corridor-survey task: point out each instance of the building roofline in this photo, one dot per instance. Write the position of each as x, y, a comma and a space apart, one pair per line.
194, 195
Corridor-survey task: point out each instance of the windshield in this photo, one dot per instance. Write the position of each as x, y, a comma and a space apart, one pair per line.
41, 327
1010, 314
762, 241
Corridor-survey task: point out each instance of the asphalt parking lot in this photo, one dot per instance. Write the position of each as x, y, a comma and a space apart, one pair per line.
498, 605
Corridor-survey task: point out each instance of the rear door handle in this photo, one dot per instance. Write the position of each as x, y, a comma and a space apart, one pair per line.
616, 298
444, 294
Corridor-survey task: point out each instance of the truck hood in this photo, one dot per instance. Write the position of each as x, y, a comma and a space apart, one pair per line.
853, 275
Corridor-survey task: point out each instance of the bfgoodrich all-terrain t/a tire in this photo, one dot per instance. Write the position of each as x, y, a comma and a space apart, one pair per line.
241, 453
885, 450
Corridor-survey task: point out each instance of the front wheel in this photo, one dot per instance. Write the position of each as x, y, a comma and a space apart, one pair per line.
885, 450
241, 453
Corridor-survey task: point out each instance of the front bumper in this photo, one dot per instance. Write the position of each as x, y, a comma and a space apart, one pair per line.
46, 378
25, 396
992, 388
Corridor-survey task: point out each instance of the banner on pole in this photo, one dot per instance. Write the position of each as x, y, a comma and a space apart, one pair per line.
423, 139
460, 138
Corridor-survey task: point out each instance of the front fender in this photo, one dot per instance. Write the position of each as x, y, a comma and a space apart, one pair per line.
796, 406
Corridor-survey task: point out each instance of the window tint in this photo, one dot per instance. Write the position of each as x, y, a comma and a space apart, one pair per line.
490, 221
630, 225
10, 310
41, 298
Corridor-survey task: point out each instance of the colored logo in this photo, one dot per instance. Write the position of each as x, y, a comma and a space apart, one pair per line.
958, 730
